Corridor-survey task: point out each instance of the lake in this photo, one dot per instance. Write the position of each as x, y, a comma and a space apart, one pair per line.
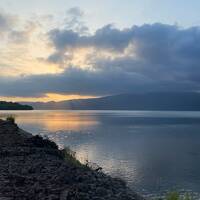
154, 151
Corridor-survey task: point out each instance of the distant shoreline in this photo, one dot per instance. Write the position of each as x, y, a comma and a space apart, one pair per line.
14, 106
180, 101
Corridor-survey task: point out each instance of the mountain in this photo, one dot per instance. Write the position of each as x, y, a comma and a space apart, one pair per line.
13, 106
140, 101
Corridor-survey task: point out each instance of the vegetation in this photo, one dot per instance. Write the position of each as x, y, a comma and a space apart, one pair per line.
176, 196
67, 154
14, 106
11, 119
70, 156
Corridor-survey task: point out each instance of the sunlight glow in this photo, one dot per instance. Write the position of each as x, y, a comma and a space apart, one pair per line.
48, 97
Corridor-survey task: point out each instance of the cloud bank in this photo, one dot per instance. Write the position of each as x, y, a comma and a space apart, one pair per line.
151, 57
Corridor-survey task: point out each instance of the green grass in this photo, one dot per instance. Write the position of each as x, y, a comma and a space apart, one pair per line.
173, 196
176, 196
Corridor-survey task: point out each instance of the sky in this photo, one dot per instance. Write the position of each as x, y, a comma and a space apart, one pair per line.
53, 50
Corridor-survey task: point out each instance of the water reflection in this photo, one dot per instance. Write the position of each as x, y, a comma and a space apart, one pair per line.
153, 151
53, 120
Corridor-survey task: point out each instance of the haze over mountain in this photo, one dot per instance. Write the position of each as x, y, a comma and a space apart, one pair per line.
139, 101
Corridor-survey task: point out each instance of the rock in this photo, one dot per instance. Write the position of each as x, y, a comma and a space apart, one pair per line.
101, 191
34, 168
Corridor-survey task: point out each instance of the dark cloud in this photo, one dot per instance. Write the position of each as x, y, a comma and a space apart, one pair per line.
155, 43
160, 58
107, 37
72, 81
64, 39
85, 82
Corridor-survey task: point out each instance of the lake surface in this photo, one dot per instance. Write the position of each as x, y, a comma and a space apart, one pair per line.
154, 151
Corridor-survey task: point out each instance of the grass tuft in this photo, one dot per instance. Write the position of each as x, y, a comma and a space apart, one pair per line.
173, 196
11, 119
70, 156
176, 196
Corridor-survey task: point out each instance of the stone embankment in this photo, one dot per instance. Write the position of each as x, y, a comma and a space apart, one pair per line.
34, 168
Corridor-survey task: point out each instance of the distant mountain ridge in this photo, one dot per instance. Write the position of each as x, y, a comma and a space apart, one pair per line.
14, 106
141, 101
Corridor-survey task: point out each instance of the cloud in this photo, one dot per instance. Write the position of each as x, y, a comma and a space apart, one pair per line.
6, 22
24, 34
75, 12
156, 49
107, 37
151, 57
22, 41
152, 41
74, 20
71, 81
13, 30
86, 82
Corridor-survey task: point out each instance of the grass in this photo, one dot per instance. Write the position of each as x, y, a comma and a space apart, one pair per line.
173, 196
176, 196
70, 157
11, 119
66, 154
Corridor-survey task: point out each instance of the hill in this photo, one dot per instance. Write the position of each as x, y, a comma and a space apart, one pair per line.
13, 106
140, 101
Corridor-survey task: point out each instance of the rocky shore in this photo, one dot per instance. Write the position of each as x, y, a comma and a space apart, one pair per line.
34, 168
